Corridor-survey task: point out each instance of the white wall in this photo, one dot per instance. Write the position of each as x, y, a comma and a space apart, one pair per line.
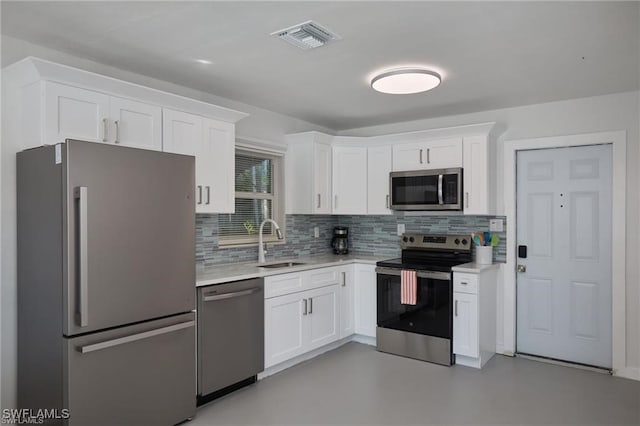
261, 127
602, 113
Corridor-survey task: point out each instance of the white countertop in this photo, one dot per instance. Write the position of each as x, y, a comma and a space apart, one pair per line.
227, 272
474, 268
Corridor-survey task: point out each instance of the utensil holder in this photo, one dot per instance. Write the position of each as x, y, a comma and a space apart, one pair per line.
484, 255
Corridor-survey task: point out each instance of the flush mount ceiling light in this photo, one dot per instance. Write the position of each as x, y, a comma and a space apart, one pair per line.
406, 81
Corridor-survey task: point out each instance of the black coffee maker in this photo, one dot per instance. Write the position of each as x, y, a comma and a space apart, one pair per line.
340, 240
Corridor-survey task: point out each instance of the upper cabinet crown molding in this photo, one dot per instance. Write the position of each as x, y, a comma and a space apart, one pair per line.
31, 69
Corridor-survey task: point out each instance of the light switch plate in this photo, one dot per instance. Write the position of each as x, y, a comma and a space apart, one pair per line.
316, 232
400, 229
496, 225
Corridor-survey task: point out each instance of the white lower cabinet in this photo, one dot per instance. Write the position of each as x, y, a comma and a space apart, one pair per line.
347, 300
474, 316
365, 300
322, 319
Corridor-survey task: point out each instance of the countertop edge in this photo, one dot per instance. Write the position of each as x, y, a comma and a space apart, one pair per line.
257, 272
474, 268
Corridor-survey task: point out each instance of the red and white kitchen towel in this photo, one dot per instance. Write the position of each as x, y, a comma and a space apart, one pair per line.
408, 287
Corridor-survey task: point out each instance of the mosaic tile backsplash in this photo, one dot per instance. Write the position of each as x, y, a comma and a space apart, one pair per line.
368, 235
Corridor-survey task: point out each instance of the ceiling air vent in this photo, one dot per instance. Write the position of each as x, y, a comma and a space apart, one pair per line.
307, 35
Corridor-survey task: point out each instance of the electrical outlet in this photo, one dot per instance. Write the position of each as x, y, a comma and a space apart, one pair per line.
316, 232
496, 225
400, 229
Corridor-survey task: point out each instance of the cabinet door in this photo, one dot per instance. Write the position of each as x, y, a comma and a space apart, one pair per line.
322, 178
347, 301
442, 154
349, 180
366, 300
182, 134
378, 169
476, 175
284, 328
135, 124
322, 316
75, 113
217, 159
465, 324
409, 156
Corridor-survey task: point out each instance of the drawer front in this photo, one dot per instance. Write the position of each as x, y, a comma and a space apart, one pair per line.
465, 283
323, 277
279, 285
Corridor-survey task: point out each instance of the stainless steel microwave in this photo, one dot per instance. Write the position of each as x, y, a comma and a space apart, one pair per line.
438, 189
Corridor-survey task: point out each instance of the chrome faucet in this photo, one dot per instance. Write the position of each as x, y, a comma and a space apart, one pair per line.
261, 249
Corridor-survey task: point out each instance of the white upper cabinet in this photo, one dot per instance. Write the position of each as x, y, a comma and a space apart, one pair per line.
349, 180
378, 169
479, 176
435, 154
308, 165
190, 134
135, 124
73, 113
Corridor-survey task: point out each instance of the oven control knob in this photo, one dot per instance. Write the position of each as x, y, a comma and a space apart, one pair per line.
405, 239
457, 241
411, 239
464, 241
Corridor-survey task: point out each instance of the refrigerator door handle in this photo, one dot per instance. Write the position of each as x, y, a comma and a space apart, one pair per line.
134, 337
83, 260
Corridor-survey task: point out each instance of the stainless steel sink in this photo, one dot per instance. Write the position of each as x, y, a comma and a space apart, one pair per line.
280, 265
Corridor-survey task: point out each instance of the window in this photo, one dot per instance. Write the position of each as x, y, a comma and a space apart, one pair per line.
258, 197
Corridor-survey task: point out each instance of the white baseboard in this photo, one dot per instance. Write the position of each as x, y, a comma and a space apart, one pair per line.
632, 373
371, 341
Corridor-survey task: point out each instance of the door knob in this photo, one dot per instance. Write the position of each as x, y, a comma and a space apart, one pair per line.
522, 268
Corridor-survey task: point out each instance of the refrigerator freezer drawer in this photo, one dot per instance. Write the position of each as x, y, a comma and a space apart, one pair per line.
142, 374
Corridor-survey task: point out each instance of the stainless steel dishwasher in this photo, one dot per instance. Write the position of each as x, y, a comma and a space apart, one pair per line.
230, 337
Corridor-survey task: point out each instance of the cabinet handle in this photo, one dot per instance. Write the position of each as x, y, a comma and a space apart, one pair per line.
466, 199
456, 309
420, 156
105, 129
305, 306
310, 305
199, 194
344, 279
318, 201
464, 282
387, 200
117, 123
208, 194
428, 156
335, 201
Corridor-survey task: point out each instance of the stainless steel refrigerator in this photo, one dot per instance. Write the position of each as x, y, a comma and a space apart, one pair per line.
106, 276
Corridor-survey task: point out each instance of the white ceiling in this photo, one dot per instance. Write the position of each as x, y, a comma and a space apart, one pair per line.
491, 54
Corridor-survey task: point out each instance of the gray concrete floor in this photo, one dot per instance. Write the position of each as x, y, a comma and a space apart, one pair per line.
355, 385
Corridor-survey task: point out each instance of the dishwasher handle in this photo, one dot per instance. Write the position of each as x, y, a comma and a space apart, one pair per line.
231, 295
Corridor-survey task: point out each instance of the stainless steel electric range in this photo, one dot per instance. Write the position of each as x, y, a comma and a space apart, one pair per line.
422, 331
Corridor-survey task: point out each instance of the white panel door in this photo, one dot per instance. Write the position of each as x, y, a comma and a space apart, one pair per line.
347, 302
135, 124
322, 316
465, 324
217, 166
349, 180
564, 219
378, 169
322, 178
366, 300
73, 113
284, 327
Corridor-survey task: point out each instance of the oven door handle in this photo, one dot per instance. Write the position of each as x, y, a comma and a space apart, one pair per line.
434, 275
440, 198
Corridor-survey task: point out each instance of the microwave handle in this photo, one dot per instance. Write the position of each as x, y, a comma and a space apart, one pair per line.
440, 200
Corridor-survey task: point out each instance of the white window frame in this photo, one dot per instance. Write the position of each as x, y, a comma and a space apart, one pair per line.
277, 197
